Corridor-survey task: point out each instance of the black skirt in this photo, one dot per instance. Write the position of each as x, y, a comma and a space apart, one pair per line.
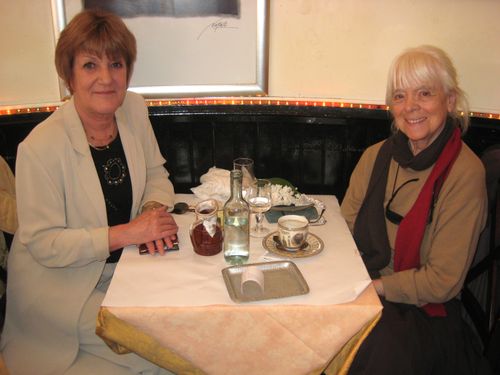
407, 341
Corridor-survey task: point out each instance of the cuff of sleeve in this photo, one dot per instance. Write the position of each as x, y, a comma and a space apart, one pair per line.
100, 241
392, 289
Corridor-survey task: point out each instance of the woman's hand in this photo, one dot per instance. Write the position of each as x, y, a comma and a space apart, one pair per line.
379, 287
161, 226
155, 227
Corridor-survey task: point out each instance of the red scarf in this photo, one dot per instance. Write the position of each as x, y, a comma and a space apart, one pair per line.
412, 227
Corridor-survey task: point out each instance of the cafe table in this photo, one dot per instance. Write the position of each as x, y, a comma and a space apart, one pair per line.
175, 310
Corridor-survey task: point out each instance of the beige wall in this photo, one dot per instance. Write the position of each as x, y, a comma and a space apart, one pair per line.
27, 73
334, 49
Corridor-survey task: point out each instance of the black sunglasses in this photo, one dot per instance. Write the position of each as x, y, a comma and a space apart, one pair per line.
396, 218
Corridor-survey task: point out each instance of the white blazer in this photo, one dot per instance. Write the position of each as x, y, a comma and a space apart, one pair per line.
61, 246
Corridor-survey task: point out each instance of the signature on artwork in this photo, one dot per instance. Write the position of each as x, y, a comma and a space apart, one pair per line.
220, 24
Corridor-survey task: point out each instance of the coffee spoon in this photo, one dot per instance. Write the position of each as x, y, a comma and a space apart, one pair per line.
320, 217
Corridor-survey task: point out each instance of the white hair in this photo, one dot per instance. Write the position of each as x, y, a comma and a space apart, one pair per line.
428, 65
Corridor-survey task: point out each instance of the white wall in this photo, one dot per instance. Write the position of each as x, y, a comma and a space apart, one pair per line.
334, 49
27, 72
343, 48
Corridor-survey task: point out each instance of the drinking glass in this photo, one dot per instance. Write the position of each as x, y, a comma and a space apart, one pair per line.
259, 200
246, 167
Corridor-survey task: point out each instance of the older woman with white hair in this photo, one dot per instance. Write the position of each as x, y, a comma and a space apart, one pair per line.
416, 204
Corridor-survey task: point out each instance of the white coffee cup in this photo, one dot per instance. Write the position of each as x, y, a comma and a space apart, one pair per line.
293, 231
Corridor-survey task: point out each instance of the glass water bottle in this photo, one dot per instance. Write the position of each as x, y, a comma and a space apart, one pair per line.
236, 223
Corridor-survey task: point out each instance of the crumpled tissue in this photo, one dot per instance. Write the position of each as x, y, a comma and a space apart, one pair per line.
215, 184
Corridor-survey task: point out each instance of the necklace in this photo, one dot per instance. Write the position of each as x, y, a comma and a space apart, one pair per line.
92, 140
99, 148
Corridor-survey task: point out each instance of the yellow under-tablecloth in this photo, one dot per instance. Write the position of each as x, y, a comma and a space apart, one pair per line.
220, 340
342, 360
124, 338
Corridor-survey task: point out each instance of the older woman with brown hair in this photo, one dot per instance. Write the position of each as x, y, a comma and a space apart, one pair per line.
416, 204
90, 180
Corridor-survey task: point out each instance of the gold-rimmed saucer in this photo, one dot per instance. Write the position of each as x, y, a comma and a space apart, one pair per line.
314, 245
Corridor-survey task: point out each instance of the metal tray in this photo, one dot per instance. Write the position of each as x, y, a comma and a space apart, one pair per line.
281, 279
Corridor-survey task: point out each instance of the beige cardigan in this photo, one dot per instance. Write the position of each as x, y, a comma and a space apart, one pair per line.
8, 212
449, 242
60, 248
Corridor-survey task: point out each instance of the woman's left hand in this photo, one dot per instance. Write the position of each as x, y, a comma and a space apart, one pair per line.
161, 244
154, 227
379, 287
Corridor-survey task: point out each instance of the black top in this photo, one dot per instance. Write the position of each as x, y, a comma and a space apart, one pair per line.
112, 169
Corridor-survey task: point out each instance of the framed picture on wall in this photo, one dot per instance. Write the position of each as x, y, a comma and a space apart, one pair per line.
189, 47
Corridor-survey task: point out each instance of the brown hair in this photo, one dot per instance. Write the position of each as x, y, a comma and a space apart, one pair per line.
97, 32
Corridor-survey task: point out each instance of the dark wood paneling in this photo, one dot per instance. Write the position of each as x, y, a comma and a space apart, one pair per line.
13, 129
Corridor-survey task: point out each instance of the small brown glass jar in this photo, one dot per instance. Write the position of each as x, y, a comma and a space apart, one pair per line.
206, 233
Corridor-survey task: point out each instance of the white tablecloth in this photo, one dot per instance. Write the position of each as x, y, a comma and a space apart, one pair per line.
184, 278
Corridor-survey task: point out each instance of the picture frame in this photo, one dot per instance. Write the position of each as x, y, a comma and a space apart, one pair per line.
193, 55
